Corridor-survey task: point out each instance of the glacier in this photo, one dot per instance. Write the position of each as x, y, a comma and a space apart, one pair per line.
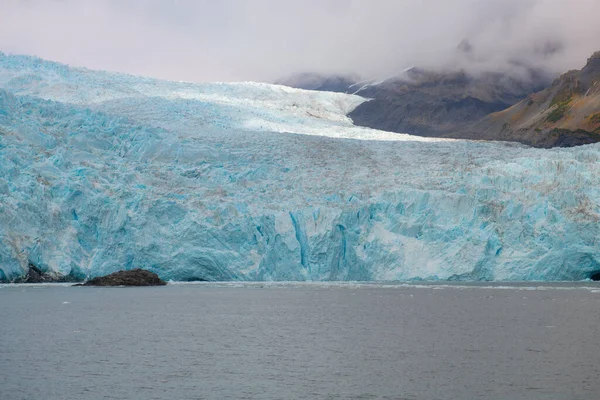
103, 171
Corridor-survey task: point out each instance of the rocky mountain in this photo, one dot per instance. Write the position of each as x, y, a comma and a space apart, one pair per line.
565, 114
429, 103
425, 102
526, 107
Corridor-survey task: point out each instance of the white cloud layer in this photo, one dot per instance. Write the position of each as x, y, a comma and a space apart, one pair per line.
207, 40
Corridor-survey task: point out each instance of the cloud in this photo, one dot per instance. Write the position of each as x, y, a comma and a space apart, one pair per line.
206, 40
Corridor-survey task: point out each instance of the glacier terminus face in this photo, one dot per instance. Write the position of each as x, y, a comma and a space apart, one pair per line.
243, 181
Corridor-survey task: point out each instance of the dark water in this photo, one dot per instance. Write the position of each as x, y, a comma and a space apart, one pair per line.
300, 342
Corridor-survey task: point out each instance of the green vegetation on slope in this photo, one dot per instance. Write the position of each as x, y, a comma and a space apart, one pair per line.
560, 108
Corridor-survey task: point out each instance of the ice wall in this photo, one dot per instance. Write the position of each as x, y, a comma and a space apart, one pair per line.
101, 172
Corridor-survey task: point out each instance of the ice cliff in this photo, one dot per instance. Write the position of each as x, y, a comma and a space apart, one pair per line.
101, 172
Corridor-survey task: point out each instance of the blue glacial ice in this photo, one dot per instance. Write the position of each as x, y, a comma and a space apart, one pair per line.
101, 172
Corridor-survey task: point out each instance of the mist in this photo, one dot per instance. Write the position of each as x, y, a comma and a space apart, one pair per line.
263, 40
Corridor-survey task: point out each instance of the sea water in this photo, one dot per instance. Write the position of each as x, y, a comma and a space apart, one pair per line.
301, 341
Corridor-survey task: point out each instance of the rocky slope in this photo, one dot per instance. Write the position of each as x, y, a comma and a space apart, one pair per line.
565, 114
429, 103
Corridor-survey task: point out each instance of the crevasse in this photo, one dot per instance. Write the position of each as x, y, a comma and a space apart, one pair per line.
101, 172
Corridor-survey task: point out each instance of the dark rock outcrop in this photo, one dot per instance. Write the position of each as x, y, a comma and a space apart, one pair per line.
38, 275
35, 275
134, 277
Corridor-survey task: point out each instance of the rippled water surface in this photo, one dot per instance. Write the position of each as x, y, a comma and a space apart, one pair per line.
300, 341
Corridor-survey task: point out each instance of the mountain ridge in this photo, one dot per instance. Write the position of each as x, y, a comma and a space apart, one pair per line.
430, 103
534, 108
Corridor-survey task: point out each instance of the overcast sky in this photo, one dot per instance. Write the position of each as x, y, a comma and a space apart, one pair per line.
223, 40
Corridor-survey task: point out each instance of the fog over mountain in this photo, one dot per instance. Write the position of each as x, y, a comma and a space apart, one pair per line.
205, 40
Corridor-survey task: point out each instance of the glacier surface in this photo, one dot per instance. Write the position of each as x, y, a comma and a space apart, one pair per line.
102, 171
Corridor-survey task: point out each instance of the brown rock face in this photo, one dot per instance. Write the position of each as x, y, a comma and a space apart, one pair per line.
134, 277
564, 114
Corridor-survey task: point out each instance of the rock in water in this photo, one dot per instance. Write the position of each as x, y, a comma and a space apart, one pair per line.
134, 277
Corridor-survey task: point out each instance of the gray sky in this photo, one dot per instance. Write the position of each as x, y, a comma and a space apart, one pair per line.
209, 40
